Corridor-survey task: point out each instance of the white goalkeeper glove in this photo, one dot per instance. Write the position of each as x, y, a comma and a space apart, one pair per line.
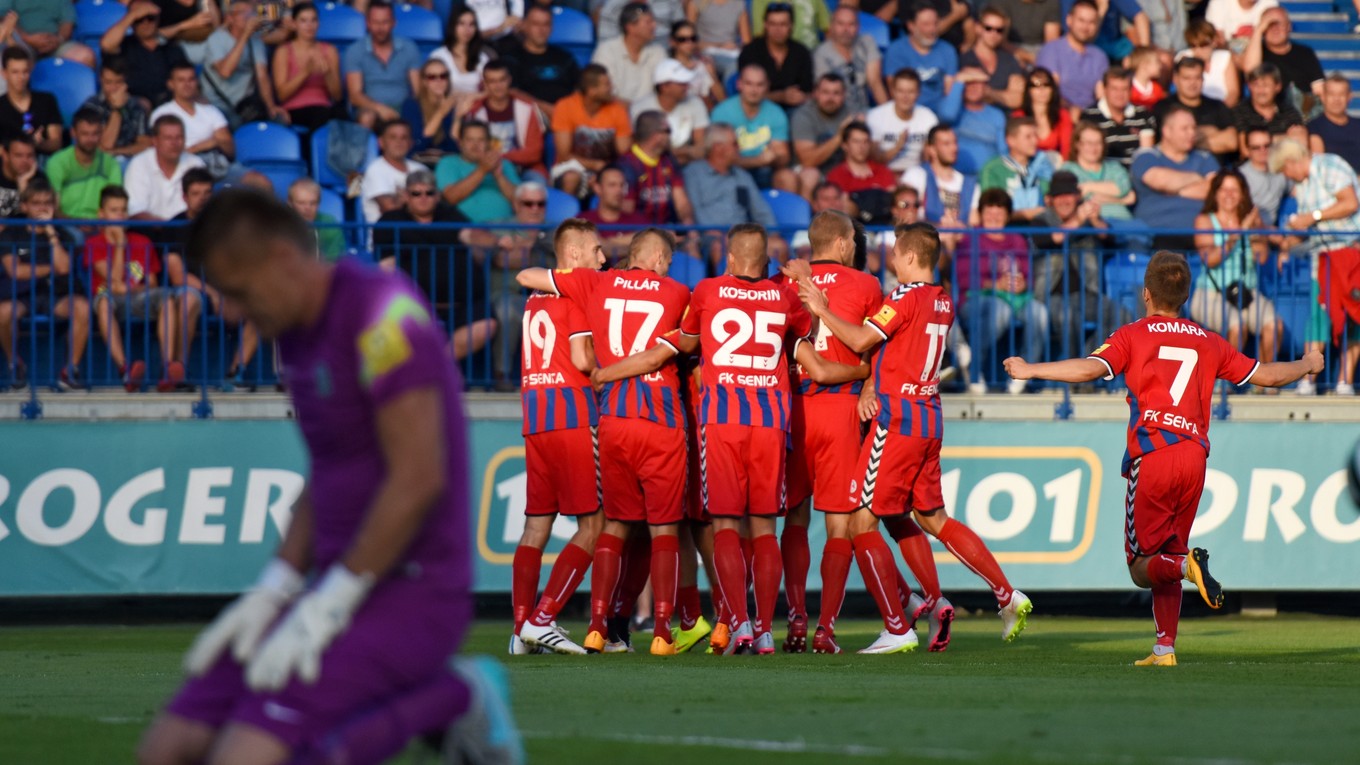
296, 646
244, 622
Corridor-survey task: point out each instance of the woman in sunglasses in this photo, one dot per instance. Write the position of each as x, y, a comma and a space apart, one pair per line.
464, 52
685, 49
1041, 101
433, 112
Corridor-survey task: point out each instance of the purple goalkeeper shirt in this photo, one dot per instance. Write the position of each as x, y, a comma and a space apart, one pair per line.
375, 340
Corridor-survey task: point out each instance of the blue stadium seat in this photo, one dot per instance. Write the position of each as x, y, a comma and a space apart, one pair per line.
94, 18
561, 206
687, 269
339, 25
69, 81
333, 205
444, 9
321, 170
877, 28
419, 25
791, 210
267, 142
282, 176
573, 31
1124, 280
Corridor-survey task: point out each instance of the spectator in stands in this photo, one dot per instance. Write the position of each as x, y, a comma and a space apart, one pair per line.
380, 69
787, 62
517, 249
1221, 79
464, 52
723, 26
547, 73
906, 210
869, 184
28, 111
1146, 87
1067, 267
1215, 131
437, 260
236, 68
206, 132
80, 172
1033, 25
1169, 174
762, 130
494, 18
656, 188
809, 19
611, 190
188, 23
935, 60
724, 194
1262, 109
590, 130
816, 129
1126, 127
124, 115
1103, 180
306, 73
44, 27
18, 169
516, 126
36, 279
855, 57
1300, 71
980, 126
704, 84
153, 177
825, 196
1122, 26
1052, 122
899, 127
631, 58
146, 57
1237, 20
611, 12
1333, 131
1167, 19
479, 181
126, 275
1022, 172
384, 182
1075, 62
1227, 297
993, 281
1005, 76
1325, 188
304, 196
948, 197
685, 113
434, 112
1267, 188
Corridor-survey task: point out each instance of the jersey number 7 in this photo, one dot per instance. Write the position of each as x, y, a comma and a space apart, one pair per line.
1187, 357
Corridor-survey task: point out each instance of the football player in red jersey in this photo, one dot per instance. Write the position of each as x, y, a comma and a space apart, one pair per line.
642, 421
560, 419
899, 466
1171, 365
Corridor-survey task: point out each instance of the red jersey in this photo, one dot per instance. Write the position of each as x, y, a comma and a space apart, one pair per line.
139, 260
555, 394
1170, 366
851, 295
915, 321
628, 312
742, 326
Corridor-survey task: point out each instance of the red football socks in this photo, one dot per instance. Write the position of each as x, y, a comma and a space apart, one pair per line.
566, 576
835, 570
1166, 611
604, 579
915, 547
731, 565
524, 582
636, 567
687, 605
769, 570
1165, 569
793, 546
971, 552
903, 589
665, 572
880, 578
748, 552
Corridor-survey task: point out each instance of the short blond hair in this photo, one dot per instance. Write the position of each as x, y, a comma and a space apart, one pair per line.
1284, 151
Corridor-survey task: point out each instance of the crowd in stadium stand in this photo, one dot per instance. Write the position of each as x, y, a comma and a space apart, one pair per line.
694, 113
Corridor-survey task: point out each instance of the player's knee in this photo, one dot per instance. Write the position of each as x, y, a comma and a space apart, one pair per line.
932, 522
158, 748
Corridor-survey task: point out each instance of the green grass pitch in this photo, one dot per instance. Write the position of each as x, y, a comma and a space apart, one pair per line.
1285, 690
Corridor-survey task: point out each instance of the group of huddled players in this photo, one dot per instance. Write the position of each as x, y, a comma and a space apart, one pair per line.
760, 387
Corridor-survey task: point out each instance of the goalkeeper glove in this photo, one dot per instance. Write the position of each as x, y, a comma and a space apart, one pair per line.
295, 647
244, 622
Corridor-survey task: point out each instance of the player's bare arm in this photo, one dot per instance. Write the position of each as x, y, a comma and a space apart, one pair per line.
636, 365
296, 547
1277, 374
823, 371
859, 337
1069, 371
537, 279
583, 353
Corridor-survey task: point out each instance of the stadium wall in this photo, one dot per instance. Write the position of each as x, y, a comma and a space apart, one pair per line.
161, 507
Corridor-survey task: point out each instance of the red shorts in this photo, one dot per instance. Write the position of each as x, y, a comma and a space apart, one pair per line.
743, 470
1164, 492
642, 471
898, 474
826, 445
564, 476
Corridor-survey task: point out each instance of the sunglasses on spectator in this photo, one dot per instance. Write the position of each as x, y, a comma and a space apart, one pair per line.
1040, 84
990, 28
685, 38
1258, 147
534, 202
437, 76
905, 205
153, 17
420, 192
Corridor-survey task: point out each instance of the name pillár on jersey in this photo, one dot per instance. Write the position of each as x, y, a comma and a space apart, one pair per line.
851, 295
1170, 367
627, 312
914, 320
744, 327
554, 394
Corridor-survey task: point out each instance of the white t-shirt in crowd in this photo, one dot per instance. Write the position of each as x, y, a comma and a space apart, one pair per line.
381, 179
689, 115
885, 126
149, 191
1235, 22
199, 126
462, 82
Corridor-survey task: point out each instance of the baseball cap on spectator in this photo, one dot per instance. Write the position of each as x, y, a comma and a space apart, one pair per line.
1063, 182
670, 70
